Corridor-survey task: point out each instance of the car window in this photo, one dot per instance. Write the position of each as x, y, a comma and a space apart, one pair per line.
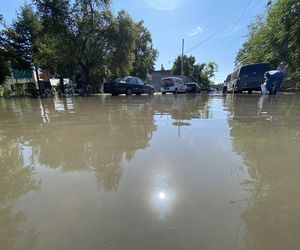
252, 70
131, 80
167, 81
178, 81
140, 81
234, 75
120, 80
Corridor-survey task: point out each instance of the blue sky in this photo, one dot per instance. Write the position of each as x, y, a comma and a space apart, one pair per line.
213, 29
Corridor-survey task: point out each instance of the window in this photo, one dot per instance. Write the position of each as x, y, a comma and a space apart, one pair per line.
131, 80
253, 70
235, 73
179, 81
140, 82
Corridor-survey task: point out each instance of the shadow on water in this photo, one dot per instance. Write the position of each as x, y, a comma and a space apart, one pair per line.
266, 132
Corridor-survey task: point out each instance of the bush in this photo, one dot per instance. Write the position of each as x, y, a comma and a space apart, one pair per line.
30, 89
23, 89
18, 89
4, 90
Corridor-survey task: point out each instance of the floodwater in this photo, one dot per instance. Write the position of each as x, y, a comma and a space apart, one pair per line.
150, 172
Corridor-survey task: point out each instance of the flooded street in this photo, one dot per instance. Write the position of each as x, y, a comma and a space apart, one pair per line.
150, 172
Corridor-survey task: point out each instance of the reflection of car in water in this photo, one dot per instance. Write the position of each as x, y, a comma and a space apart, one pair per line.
182, 107
247, 78
268, 142
128, 85
172, 85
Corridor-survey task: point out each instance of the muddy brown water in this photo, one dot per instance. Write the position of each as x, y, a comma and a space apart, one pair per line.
150, 172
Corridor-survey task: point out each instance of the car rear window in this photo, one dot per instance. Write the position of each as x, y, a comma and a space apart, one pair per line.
253, 70
167, 82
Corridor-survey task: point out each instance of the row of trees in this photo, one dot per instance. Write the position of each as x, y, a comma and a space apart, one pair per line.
202, 73
66, 36
275, 37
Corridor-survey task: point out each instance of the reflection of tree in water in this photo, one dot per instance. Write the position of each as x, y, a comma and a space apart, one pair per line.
15, 181
270, 147
95, 138
99, 133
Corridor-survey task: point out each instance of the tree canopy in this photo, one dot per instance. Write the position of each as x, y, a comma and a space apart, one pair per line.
274, 37
66, 36
203, 73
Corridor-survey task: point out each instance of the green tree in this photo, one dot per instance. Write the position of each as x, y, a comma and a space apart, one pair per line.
56, 49
20, 41
201, 72
204, 73
4, 60
275, 37
66, 36
123, 39
188, 65
144, 53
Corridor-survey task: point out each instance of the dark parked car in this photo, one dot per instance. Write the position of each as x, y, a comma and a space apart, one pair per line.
247, 78
128, 85
192, 87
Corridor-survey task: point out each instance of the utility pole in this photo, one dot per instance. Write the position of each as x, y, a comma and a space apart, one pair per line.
182, 73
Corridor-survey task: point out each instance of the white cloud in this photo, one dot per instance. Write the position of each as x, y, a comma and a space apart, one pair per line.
198, 30
166, 5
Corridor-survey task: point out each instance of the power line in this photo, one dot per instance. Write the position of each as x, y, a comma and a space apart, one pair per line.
233, 27
178, 46
204, 40
170, 51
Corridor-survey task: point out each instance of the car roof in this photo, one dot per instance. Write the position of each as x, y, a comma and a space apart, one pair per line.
171, 77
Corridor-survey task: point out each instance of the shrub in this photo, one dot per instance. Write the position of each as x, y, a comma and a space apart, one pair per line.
4, 90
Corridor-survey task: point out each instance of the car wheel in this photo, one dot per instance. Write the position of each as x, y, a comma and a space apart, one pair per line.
249, 91
129, 92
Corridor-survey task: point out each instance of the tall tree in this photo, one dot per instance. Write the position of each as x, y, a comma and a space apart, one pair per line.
188, 65
4, 56
144, 53
202, 72
123, 40
81, 40
21, 38
274, 37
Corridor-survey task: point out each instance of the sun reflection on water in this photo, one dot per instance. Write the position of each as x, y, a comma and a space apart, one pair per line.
163, 195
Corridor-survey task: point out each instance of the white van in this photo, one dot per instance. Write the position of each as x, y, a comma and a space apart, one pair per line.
173, 85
